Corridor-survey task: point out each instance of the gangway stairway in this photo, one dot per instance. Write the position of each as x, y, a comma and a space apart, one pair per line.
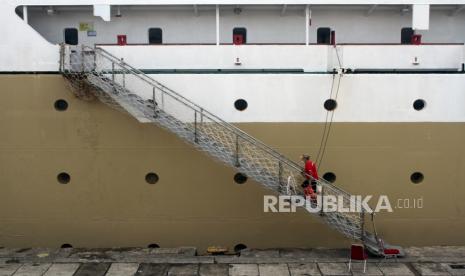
97, 73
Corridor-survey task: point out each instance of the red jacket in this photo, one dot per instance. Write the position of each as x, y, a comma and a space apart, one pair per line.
310, 168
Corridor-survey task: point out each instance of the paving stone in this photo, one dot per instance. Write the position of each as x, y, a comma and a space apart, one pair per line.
455, 268
260, 253
213, 269
395, 269
334, 269
30, 255
252, 260
243, 270
8, 269
122, 269
372, 269
152, 269
7, 252
164, 250
84, 255
187, 251
12, 261
184, 270
92, 269
429, 269
273, 270
32, 269
12, 252
146, 259
310, 269
129, 255
123, 255
297, 253
62, 269
438, 252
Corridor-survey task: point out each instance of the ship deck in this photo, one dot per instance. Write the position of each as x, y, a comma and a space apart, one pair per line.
447, 260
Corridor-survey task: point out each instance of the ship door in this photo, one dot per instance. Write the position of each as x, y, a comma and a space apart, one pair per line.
239, 36
406, 35
155, 36
71, 36
323, 36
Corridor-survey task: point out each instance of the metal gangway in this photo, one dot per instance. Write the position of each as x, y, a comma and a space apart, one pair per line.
94, 72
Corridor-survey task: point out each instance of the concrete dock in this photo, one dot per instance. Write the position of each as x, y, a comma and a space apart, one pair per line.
185, 261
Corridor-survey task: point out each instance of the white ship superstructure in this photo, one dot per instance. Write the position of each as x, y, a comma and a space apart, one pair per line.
286, 51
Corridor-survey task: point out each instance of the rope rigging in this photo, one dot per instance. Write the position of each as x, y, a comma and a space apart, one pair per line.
328, 124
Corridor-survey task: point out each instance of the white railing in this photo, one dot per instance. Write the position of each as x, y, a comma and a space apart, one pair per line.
304, 58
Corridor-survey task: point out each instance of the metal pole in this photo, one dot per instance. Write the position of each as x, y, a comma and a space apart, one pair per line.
195, 127
236, 161
113, 71
95, 60
62, 57
124, 74
322, 213
82, 58
307, 22
217, 25
280, 174
162, 99
154, 104
362, 217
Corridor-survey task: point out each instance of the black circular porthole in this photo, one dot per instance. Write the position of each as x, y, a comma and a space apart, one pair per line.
330, 104
330, 177
153, 245
240, 104
61, 105
66, 245
419, 104
151, 178
63, 178
239, 247
240, 178
417, 177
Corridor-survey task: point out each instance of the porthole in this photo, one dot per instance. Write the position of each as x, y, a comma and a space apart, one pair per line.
66, 245
240, 178
330, 177
330, 104
63, 178
417, 177
61, 105
419, 104
151, 178
240, 104
239, 247
153, 245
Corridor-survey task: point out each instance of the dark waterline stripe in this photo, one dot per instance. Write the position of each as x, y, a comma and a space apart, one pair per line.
259, 71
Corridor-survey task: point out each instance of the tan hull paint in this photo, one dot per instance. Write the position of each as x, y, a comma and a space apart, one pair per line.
196, 202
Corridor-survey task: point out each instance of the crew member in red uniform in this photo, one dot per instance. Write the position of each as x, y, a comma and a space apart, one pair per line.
310, 171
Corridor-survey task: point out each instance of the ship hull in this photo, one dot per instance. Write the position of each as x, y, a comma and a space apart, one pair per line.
196, 202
